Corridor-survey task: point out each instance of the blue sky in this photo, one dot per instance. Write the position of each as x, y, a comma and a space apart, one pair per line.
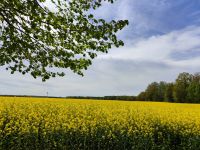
162, 40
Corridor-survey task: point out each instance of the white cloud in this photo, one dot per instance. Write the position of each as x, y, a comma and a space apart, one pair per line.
161, 48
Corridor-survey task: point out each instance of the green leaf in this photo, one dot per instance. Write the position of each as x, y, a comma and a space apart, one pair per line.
37, 40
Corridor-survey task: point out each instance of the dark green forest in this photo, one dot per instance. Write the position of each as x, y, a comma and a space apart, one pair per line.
186, 89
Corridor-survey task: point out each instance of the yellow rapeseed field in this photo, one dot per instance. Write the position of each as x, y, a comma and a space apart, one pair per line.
42, 123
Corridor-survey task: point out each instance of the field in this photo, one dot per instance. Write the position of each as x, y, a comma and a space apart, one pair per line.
41, 123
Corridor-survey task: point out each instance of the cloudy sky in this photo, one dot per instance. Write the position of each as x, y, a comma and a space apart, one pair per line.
162, 40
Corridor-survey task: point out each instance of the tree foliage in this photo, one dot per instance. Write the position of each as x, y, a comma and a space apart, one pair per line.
168, 96
155, 91
193, 89
36, 40
152, 91
186, 89
181, 85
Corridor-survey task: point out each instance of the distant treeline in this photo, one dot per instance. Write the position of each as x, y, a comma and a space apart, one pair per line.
186, 89
124, 98
32, 96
